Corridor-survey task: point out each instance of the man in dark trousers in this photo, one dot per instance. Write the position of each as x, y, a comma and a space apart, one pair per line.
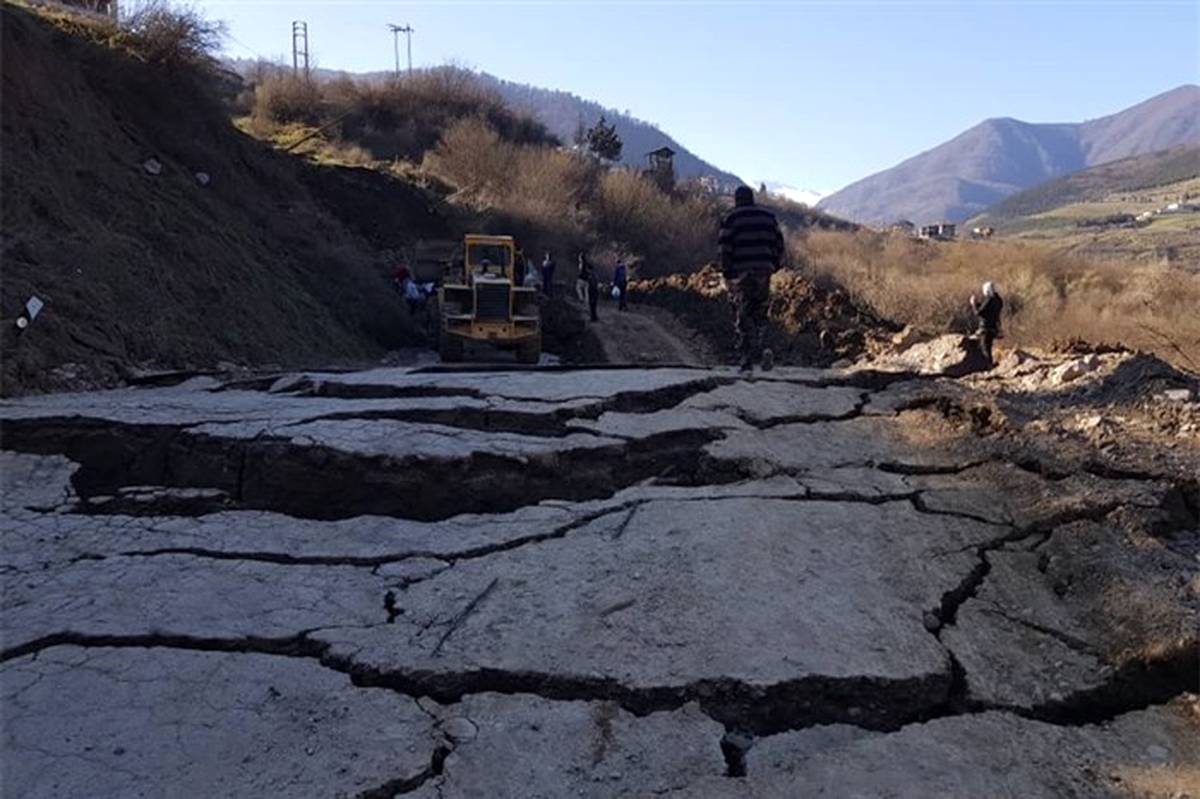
751, 250
548, 275
989, 317
621, 284
587, 273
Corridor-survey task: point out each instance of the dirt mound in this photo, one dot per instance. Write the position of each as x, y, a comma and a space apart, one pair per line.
157, 235
949, 355
809, 325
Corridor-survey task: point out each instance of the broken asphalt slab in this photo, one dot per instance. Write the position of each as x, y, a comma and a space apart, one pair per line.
615, 582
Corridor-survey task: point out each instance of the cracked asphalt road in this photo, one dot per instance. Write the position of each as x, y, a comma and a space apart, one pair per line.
618, 582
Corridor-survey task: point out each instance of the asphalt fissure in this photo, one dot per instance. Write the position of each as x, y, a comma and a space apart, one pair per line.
315, 481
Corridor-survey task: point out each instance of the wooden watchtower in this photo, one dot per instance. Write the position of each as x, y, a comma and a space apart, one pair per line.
661, 168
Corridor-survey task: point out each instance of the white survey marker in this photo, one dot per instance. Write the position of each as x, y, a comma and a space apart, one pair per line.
33, 307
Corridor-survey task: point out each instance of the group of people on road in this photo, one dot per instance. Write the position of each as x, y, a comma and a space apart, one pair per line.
587, 285
751, 247
587, 282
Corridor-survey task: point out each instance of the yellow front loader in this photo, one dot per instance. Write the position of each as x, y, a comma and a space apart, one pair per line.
481, 300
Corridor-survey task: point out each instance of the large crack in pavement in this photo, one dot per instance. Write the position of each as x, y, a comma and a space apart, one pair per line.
757, 709
637, 473
873, 704
322, 482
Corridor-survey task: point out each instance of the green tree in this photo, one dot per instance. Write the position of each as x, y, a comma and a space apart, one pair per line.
602, 139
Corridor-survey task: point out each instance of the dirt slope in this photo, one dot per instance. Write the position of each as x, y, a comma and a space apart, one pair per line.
641, 335
809, 325
159, 271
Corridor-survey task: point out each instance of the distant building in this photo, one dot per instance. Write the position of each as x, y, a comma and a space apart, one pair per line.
940, 231
661, 168
903, 227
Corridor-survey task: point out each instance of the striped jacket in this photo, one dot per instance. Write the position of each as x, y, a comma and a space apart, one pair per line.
750, 241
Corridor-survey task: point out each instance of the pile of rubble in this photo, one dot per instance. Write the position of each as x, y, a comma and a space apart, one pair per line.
1127, 404
810, 325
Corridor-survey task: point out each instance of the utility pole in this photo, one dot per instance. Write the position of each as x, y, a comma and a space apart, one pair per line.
299, 46
407, 30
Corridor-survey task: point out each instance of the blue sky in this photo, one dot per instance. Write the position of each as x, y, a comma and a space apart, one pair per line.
814, 94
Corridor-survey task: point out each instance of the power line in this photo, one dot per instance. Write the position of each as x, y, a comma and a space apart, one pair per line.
246, 47
407, 30
299, 45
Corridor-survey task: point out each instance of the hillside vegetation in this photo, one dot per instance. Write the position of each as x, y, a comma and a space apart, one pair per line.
446, 129
1113, 211
386, 120
1050, 296
559, 112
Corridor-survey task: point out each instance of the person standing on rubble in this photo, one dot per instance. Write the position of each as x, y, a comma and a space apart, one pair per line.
988, 312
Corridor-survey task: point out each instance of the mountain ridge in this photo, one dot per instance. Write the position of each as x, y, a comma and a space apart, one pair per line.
562, 111
1001, 156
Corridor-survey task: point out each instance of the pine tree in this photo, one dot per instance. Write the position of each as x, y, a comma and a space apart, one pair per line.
602, 139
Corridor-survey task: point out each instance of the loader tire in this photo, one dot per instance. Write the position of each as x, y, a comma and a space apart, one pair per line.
530, 352
450, 348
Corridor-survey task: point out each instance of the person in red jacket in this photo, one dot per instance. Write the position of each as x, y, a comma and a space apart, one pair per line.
751, 246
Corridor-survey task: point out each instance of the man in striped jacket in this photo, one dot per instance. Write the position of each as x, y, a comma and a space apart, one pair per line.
751, 249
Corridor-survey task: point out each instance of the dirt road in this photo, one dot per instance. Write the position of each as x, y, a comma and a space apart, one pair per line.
642, 335
594, 583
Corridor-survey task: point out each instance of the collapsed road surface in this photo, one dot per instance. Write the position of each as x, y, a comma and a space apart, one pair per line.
595, 583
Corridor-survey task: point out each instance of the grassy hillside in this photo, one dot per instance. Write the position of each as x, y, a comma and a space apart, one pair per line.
1093, 212
498, 166
159, 268
385, 119
558, 112
1049, 296
1098, 184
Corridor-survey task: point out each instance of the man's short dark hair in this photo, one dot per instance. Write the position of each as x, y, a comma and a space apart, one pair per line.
743, 195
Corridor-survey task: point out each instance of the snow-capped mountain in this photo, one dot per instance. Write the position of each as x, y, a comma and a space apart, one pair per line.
796, 195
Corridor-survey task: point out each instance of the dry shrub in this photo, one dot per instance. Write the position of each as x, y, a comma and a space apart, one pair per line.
1049, 296
671, 234
551, 188
543, 190
165, 34
283, 97
153, 31
472, 157
630, 208
397, 118
570, 201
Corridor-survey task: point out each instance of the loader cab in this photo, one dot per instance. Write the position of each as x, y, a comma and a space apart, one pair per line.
481, 302
489, 258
